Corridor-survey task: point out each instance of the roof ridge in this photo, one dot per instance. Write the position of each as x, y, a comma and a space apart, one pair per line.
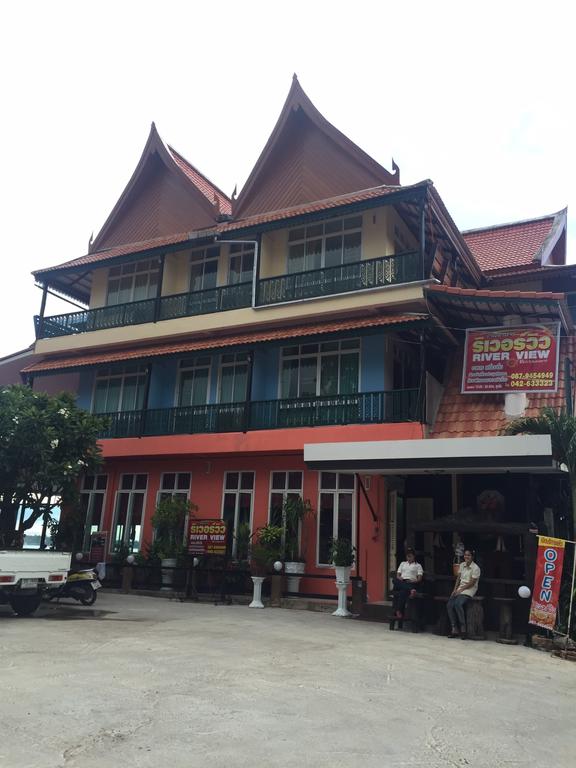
324, 200
196, 170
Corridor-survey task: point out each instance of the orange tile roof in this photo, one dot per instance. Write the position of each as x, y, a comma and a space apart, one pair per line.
483, 415
508, 245
217, 342
208, 188
251, 221
496, 295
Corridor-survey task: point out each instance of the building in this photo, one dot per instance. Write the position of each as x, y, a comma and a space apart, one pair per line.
324, 306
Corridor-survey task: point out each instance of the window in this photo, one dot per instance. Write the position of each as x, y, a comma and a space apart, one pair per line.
328, 244
174, 484
119, 389
283, 485
406, 367
241, 263
129, 512
204, 268
194, 381
237, 503
336, 512
135, 281
233, 378
92, 505
330, 368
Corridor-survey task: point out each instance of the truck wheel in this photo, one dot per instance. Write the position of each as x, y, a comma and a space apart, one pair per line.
25, 605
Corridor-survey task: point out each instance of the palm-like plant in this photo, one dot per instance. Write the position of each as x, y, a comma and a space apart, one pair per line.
561, 427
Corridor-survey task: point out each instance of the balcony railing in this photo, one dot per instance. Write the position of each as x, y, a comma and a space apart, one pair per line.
147, 311
328, 410
357, 276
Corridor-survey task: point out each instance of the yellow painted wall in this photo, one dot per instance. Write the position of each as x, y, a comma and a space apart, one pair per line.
403, 297
99, 288
377, 240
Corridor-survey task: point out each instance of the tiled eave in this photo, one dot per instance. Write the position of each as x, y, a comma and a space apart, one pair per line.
53, 364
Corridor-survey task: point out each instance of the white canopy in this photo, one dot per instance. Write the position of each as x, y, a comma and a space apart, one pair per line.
458, 455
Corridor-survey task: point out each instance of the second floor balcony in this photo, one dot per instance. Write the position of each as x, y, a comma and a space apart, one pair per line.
368, 274
329, 410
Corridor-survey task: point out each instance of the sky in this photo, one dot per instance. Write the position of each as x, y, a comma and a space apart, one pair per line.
477, 97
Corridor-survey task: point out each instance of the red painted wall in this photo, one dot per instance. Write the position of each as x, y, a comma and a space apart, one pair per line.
207, 493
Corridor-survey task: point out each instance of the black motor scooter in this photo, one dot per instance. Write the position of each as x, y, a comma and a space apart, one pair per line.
80, 585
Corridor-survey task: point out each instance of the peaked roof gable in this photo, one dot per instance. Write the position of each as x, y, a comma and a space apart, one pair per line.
307, 159
165, 195
519, 243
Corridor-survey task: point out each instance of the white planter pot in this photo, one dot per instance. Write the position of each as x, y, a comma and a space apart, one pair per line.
342, 581
168, 574
293, 571
343, 573
257, 594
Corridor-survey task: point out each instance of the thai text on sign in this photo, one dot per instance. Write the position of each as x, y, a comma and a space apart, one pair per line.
547, 580
522, 358
207, 537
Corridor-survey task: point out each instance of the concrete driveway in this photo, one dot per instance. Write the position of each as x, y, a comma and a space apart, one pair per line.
149, 682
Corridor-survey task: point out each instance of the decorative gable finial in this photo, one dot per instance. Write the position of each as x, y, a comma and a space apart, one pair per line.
235, 193
90, 242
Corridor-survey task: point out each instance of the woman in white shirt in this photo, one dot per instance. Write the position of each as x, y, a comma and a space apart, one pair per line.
408, 576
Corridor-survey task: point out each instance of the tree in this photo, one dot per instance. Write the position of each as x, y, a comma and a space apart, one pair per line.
46, 444
562, 430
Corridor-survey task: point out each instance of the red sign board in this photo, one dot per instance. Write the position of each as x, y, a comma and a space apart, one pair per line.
547, 582
98, 546
207, 537
521, 358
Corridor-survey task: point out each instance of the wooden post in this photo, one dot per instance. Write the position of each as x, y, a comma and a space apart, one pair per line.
40, 328
246, 416
159, 289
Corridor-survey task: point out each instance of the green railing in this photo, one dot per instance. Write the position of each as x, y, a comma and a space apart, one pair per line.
147, 311
357, 276
362, 408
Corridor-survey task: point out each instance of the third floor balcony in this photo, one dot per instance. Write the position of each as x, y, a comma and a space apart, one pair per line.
358, 276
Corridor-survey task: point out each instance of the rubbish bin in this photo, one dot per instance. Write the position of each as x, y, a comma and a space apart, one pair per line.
358, 594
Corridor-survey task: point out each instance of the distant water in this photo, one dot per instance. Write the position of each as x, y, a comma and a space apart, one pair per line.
33, 542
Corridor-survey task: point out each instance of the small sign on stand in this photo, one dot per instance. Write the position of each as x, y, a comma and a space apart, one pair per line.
98, 542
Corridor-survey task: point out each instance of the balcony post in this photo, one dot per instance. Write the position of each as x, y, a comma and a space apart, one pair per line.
246, 416
145, 400
256, 270
423, 237
40, 328
157, 301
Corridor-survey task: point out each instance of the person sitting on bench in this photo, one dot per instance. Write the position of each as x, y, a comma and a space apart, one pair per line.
464, 590
408, 576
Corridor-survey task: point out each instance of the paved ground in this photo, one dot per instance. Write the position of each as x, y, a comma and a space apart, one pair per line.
149, 682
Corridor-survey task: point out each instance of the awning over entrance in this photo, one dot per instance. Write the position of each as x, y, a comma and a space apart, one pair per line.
460, 455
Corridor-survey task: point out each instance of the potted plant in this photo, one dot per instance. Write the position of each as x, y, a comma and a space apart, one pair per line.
294, 510
168, 522
265, 549
343, 555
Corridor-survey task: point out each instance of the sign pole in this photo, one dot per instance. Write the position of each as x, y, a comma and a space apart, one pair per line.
571, 599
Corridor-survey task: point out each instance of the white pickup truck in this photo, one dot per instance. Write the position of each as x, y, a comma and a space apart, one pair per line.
26, 573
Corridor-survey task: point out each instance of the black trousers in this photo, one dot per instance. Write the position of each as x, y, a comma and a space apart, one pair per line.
401, 593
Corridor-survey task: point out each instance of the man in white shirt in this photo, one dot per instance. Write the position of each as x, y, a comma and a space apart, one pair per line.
465, 588
408, 575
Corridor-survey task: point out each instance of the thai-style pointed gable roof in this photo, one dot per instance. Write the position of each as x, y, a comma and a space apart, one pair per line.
306, 159
166, 195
